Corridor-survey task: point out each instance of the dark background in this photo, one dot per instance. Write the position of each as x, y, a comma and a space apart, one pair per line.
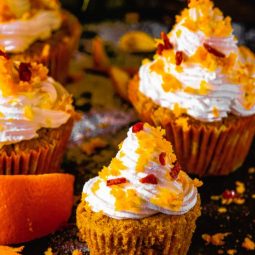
240, 10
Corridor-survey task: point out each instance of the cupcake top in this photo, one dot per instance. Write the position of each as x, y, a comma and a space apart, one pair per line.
143, 179
22, 22
198, 69
29, 101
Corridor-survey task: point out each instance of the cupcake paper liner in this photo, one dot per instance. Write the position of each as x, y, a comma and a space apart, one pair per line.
202, 148
55, 52
158, 234
37, 156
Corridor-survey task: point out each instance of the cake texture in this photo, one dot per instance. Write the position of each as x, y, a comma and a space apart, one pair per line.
36, 118
142, 203
200, 87
39, 31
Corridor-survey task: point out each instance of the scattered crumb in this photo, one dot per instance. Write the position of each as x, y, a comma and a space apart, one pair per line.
253, 196
231, 252
222, 209
239, 201
95, 143
248, 244
215, 198
216, 239
251, 170
220, 252
197, 183
49, 252
132, 17
76, 252
240, 187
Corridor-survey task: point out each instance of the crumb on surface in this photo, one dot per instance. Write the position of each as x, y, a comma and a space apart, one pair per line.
240, 187
231, 252
222, 209
216, 239
248, 244
76, 252
251, 170
49, 252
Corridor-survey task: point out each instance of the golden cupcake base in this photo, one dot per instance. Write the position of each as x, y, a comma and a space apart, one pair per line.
157, 234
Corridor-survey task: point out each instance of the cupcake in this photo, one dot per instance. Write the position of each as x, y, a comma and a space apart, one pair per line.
142, 203
39, 31
200, 87
36, 118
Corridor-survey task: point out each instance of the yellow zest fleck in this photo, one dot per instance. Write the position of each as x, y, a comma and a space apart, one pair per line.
215, 112
178, 111
170, 83
1, 115
178, 33
179, 69
215, 198
197, 183
240, 187
126, 200
204, 88
120, 145
183, 122
239, 201
145, 61
167, 199
28, 112
190, 90
222, 209
76, 252
49, 252
122, 154
158, 66
45, 51
248, 244
96, 186
216, 239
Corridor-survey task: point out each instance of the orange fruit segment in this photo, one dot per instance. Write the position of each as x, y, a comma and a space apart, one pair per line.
33, 206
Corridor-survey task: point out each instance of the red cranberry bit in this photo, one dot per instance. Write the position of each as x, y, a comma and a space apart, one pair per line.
175, 171
168, 45
178, 57
160, 49
137, 127
229, 194
214, 51
162, 158
4, 54
116, 181
150, 179
25, 73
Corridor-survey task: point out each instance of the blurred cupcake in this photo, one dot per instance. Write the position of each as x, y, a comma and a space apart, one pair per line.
35, 118
39, 31
142, 203
200, 87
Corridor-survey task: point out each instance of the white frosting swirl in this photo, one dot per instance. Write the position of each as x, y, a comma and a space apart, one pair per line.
225, 94
103, 200
42, 103
17, 35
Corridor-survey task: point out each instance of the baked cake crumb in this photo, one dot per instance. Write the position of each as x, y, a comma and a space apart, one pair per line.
248, 244
216, 239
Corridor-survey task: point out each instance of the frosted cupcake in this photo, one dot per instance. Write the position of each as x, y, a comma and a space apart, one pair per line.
35, 118
39, 31
142, 203
200, 87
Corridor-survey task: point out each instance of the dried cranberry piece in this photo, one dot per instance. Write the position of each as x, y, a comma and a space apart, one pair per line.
229, 194
162, 158
137, 127
175, 171
160, 48
168, 45
178, 57
213, 51
25, 73
150, 179
116, 181
4, 54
